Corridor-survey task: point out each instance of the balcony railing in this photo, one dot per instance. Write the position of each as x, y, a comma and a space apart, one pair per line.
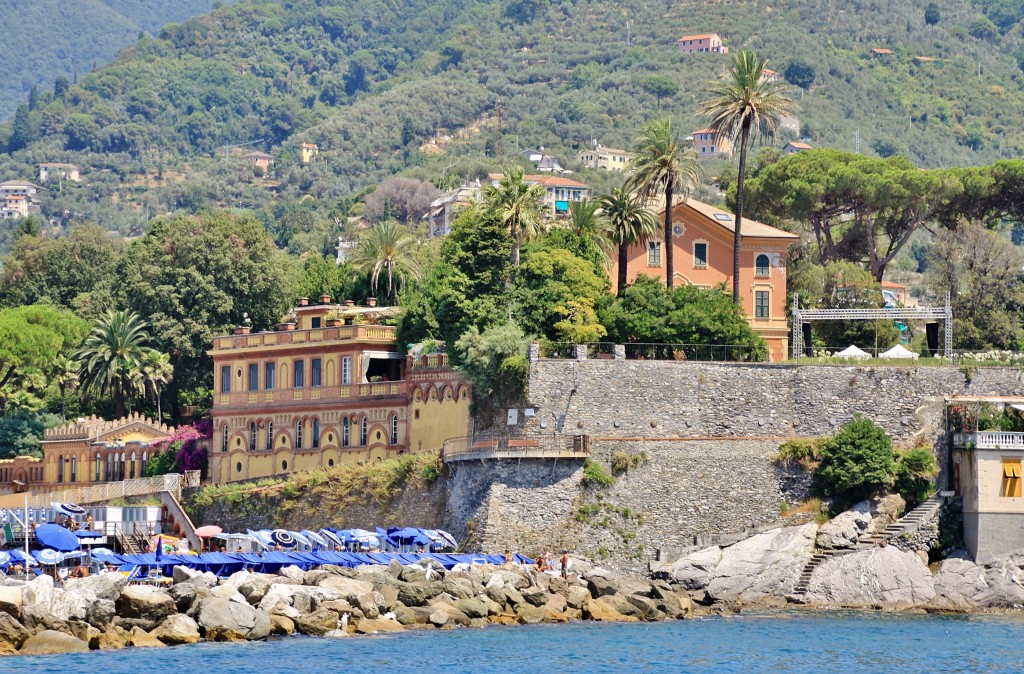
517, 447
989, 440
388, 388
369, 333
108, 491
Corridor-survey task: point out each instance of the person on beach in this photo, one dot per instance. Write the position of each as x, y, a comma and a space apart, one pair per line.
542, 563
565, 564
509, 559
79, 571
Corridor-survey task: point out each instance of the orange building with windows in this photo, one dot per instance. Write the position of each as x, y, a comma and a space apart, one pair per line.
703, 256
84, 452
328, 388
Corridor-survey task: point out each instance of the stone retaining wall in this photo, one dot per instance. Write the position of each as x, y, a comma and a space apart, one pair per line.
678, 491
635, 398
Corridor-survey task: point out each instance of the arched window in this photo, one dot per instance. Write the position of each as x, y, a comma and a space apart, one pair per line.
60, 469
298, 434
99, 466
394, 429
761, 265
252, 435
121, 470
344, 432
110, 467
224, 439
145, 460
131, 467
362, 431
74, 468
270, 435
316, 433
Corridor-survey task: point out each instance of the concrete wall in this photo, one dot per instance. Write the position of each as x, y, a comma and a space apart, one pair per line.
661, 399
989, 536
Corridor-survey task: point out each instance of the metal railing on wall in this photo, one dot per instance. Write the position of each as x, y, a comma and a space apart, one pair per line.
108, 491
735, 353
516, 447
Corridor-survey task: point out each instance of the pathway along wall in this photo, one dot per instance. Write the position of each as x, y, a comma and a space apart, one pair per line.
666, 399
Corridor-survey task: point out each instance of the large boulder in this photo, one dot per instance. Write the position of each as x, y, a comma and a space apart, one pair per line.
346, 587
177, 629
255, 589
145, 602
695, 571
844, 530
765, 565
472, 607
100, 586
223, 620
884, 576
293, 572
962, 585
318, 623
11, 600
229, 593
100, 614
113, 639
49, 642
12, 634
280, 624
140, 638
418, 594
185, 595
375, 626
600, 610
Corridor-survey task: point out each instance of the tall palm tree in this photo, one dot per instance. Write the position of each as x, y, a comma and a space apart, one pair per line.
745, 102
109, 358
630, 222
157, 372
663, 166
588, 222
387, 248
518, 204
64, 373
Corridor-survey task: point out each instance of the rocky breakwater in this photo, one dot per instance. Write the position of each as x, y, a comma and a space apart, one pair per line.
764, 570
103, 612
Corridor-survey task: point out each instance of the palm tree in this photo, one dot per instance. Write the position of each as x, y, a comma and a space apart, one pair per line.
387, 248
588, 222
157, 372
744, 102
64, 373
662, 166
630, 222
518, 204
109, 358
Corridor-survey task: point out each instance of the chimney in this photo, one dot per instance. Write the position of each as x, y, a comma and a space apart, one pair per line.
348, 303
371, 302
303, 301
325, 299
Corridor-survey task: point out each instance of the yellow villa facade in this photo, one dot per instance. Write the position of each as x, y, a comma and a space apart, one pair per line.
328, 388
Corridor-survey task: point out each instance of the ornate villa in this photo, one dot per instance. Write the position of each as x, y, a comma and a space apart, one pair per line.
702, 255
84, 452
328, 386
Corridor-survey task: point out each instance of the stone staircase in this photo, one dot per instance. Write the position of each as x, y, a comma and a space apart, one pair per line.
909, 523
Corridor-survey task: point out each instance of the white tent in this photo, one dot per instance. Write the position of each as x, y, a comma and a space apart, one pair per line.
852, 352
899, 351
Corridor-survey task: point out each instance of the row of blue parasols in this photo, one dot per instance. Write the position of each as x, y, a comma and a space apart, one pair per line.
327, 538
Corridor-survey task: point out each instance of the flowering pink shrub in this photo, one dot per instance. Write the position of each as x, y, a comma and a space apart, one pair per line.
185, 441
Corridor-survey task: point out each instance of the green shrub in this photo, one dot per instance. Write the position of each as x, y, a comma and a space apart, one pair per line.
856, 461
804, 451
915, 471
596, 475
623, 462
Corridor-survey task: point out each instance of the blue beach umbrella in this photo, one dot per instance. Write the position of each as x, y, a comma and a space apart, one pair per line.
282, 538
5, 558
57, 537
315, 538
332, 537
48, 556
159, 547
70, 509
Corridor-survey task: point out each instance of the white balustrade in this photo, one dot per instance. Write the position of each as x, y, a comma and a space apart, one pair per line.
989, 440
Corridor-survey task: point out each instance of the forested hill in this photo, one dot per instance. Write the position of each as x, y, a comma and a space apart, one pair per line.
376, 82
44, 39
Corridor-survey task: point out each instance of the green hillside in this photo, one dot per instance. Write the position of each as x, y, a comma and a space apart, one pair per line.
45, 39
374, 83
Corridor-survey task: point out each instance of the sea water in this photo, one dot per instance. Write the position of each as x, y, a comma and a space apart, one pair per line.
785, 641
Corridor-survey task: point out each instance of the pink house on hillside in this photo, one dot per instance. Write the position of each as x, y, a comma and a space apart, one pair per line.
704, 42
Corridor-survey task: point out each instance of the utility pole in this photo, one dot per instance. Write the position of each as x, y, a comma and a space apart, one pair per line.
501, 153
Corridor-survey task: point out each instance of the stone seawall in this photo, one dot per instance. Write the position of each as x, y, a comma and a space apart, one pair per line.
678, 490
635, 398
